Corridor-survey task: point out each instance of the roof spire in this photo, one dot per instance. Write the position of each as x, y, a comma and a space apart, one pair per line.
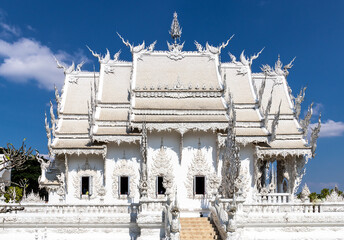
175, 31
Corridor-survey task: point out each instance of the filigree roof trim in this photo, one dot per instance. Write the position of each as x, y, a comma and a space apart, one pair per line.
289, 136
182, 127
111, 123
185, 53
244, 140
178, 94
117, 139
262, 153
78, 151
73, 116
178, 112
119, 63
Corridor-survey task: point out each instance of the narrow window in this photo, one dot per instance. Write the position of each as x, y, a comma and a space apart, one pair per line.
85, 185
200, 185
124, 185
161, 189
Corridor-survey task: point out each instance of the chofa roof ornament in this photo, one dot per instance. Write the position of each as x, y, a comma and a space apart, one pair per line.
278, 71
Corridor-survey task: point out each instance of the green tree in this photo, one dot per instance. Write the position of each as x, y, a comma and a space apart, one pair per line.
14, 194
313, 196
324, 193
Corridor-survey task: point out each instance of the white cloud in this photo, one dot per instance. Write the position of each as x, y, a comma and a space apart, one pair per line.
330, 128
27, 59
317, 108
8, 29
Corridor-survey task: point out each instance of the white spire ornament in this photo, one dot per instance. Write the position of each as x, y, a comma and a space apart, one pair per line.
176, 31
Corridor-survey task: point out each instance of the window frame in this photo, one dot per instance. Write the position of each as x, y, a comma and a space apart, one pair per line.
157, 186
119, 186
204, 185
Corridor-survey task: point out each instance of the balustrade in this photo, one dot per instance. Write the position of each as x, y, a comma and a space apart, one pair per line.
274, 198
72, 209
152, 205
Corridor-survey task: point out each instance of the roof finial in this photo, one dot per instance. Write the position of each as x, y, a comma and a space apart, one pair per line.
175, 31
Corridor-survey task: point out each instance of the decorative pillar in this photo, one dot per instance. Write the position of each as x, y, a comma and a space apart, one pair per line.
280, 175
67, 170
104, 175
217, 153
181, 146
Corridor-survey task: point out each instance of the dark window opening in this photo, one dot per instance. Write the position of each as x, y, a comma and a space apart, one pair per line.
200, 185
124, 185
161, 189
85, 185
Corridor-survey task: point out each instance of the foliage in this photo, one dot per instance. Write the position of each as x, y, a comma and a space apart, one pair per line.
31, 173
313, 196
14, 192
322, 195
15, 158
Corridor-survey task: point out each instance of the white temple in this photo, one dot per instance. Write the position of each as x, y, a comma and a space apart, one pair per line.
150, 148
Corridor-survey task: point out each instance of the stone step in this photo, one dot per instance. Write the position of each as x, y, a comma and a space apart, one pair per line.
197, 228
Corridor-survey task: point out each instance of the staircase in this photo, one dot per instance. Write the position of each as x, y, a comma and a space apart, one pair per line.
197, 228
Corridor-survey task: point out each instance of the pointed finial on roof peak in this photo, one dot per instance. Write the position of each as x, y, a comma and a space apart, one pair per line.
176, 31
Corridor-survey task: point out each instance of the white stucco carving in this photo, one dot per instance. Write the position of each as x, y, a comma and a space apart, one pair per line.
124, 167
201, 167
95, 181
161, 166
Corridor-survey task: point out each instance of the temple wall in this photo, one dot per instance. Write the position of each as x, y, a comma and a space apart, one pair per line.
186, 167
246, 156
247, 169
77, 166
115, 166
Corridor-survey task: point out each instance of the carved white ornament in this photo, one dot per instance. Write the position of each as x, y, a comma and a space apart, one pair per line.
178, 94
262, 153
334, 197
79, 151
183, 127
125, 168
95, 184
242, 182
32, 198
175, 51
221, 140
201, 167
116, 139
161, 166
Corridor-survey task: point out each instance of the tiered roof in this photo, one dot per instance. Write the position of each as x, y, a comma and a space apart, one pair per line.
181, 91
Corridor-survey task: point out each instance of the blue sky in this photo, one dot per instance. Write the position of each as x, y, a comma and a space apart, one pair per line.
32, 31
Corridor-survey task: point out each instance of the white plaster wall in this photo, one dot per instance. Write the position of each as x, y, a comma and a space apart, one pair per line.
180, 169
75, 162
171, 141
67, 233
115, 153
247, 161
246, 156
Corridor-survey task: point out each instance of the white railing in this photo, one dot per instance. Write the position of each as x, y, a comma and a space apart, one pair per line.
274, 198
152, 205
282, 208
71, 209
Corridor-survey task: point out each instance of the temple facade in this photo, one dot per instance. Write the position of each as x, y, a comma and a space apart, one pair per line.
142, 145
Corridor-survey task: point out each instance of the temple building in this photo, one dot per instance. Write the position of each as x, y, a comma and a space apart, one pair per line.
148, 148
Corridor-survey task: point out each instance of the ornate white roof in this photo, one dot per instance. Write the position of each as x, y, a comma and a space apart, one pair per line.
176, 90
